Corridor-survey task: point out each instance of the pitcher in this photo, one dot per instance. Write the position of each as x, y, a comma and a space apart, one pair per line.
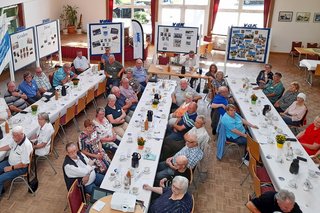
135, 159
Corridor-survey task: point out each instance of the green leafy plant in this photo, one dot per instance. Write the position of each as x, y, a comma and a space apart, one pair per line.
80, 22
254, 97
280, 139
141, 141
69, 15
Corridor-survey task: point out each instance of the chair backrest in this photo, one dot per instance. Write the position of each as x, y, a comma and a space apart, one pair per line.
254, 148
252, 163
191, 176
295, 44
202, 49
101, 88
51, 78
210, 47
69, 115
81, 105
304, 118
56, 126
90, 95
249, 198
74, 197
312, 45
193, 204
256, 183
317, 71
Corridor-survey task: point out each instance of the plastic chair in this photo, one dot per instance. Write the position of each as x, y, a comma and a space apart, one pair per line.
293, 51
75, 198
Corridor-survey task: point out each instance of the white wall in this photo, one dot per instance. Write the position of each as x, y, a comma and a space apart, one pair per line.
283, 33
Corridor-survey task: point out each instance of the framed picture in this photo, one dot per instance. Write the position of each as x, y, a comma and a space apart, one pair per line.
303, 17
316, 18
285, 16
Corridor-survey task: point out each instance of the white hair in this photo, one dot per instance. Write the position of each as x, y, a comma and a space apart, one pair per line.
183, 182
184, 80
18, 129
284, 195
111, 97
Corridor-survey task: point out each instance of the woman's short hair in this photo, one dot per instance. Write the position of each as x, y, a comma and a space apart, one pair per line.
183, 182
87, 123
45, 116
219, 73
213, 65
26, 74
202, 118
100, 109
129, 69
230, 106
296, 85
189, 95
111, 97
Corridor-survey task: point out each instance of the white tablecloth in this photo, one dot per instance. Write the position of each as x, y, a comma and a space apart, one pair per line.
154, 139
309, 64
279, 172
88, 80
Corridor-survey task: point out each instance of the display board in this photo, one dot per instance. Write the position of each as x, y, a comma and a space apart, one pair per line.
47, 38
177, 39
105, 35
248, 44
23, 48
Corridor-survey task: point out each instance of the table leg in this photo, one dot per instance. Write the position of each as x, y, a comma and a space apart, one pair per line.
308, 76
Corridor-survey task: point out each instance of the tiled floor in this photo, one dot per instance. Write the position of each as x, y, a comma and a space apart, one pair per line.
221, 192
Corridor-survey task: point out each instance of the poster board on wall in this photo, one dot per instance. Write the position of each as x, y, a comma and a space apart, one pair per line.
105, 35
48, 38
23, 48
248, 44
177, 39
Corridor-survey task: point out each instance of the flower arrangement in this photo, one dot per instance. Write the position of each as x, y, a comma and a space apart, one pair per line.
280, 140
141, 141
254, 98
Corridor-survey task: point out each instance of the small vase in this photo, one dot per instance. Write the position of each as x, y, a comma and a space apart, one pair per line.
140, 147
253, 102
279, 145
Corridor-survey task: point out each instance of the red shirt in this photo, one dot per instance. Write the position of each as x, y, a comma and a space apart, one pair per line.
310, 136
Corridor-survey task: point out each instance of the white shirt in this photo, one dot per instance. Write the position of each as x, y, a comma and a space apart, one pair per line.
20, 153
44, 136
3, 109
81, 171
105, 129
190, 62
81, 63
202, 136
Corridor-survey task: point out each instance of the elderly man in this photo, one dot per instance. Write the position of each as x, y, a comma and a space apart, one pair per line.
127, 91
218, 105
30, 88
310, 137
191, 150
77, 166
113, 71
121, 99
63, 75
4, 110
42, 81
19, 157
282, 201
172, 199
15, 99
179, 94
80, 63
140, 73
274, 88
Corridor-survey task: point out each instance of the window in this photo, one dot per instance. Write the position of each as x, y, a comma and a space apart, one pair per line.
238, 13
12, 17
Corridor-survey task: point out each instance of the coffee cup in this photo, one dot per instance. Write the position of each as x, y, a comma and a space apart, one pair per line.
135, 190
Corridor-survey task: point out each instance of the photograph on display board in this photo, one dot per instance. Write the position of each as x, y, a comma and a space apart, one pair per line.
105, 35
23, 48
177, 39
48, 38
248, 44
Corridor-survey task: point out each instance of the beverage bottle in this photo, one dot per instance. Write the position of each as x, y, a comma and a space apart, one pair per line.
7, 129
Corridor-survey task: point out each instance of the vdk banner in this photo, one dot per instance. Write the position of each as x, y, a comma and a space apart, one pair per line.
138, 40
4, 43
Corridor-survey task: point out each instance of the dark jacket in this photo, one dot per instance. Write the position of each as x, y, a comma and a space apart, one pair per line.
261, 76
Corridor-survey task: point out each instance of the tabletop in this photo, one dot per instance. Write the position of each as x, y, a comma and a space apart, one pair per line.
121, 161
302, 50
309, 64
275, 159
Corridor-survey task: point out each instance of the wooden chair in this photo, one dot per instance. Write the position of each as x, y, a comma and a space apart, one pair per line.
249, 198
46, 157
90, 97
23, 178
303, 122
209, 49
260, 188
75, 198
101, 89
193, 204
70, 115
293, 51
81, 106
202, 50
230, 145
312, 45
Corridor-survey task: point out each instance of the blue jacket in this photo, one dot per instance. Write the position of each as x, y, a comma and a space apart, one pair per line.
221, 140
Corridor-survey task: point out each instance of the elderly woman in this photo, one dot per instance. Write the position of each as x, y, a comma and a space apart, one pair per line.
172, 199
116, 115
44, 133
233, 123
91, 146
294, 114
134, 83
310, 137
108, 136
288, 97
181, 110
264, 75
218, 81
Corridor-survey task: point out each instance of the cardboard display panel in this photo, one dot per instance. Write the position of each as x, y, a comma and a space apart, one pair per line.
48, 38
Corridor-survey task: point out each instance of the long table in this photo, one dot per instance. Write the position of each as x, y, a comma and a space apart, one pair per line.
121, 162
306, 51
270, 154
54, 108
309, 66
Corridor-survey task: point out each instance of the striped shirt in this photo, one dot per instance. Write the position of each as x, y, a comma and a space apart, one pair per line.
14, 100
193, 154
187, 121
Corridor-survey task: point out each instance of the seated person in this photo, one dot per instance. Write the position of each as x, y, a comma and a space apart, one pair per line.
181, 170
294, 114
108, 136
63, 75
80, 63
310, 137
29, 87
91, 146
105, 56
42, 81
178, 113
282, 201
288, 97
200, 131
183, 124
15, 99
179, 94
43, 136
134, 83
113, 71
77, 166
127, 91
123, 102
191, 150
19, 157
274, 88
233, 123
190, 61
264, 75
220, 100
4, 111
213, 69
173, 199
140, 73
218, 82
116, 115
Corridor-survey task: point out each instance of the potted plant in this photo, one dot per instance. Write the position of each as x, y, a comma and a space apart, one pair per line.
280, 140
254, 98
63, 18
141, 141
155, 103
69, 15
79, 26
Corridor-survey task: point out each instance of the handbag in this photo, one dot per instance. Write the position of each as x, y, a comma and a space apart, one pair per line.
34, 183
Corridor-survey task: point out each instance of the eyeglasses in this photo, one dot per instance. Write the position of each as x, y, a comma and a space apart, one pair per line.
176, 188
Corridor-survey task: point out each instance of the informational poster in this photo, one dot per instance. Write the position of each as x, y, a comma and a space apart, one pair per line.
48, 38
177, 39
248, 44
105, 35
23, 48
